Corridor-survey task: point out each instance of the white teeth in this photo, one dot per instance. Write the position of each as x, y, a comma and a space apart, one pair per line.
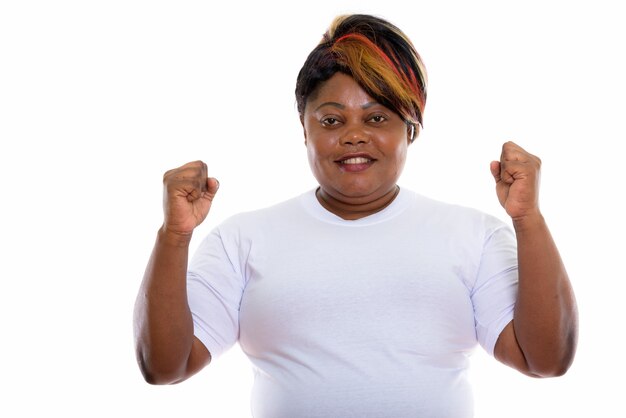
357, 160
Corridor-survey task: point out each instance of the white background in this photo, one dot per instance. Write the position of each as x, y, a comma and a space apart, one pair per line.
99, 98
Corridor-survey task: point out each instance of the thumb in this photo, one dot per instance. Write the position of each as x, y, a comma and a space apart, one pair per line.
495, 170
213, 186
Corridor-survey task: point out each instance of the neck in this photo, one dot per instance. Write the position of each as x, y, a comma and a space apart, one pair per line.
352, 211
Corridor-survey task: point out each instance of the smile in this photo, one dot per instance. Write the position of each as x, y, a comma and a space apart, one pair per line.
355, 163
356, 160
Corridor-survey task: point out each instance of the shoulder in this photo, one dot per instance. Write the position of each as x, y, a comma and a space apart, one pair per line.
265, 217
239, 231
453, 216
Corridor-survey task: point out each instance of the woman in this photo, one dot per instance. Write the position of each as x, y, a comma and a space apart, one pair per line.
358, 298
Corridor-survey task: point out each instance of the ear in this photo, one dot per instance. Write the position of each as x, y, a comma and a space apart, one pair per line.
412, 132
303, 129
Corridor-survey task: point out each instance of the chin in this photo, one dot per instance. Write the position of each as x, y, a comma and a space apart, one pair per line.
359, 191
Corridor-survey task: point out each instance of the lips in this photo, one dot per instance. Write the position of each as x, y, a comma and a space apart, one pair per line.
360, 158
355, 162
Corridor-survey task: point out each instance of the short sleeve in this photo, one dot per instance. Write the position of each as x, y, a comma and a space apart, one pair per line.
214, 291
495, 289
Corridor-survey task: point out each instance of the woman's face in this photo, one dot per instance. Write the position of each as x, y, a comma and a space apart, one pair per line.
356, 146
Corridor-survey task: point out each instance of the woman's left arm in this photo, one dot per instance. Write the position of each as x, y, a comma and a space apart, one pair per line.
541, 339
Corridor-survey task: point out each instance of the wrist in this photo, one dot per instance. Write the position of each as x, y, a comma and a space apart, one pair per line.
528, 222
174, 238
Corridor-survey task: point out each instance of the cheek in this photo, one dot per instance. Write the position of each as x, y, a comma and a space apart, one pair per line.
310, 153
402, 152
399, 155
313, 154
318, 147
397, 149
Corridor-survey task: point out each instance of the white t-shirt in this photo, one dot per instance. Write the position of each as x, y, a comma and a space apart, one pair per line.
375, 317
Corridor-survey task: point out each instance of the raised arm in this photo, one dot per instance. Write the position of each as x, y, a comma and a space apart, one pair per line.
166, 349
541, 339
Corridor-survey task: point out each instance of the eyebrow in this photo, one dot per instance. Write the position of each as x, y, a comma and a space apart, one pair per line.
340, 106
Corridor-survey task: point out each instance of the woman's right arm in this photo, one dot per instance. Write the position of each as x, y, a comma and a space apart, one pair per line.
167, 351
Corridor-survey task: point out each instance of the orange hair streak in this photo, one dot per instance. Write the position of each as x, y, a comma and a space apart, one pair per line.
372, 67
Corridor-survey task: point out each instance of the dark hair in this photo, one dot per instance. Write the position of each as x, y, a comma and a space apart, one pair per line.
380, 58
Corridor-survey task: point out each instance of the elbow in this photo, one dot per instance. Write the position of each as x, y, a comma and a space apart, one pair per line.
557, 370
154, 375
557, 358
157, 380
554, 370
556, 366
154, 378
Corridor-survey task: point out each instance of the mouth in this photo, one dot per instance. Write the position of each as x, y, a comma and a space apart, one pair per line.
356, 160
355, 163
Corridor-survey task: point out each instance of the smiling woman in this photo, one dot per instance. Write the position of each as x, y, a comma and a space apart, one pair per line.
358, 297
361, 95
356, 147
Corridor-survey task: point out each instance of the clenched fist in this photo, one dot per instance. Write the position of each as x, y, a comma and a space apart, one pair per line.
517, 181
187, 197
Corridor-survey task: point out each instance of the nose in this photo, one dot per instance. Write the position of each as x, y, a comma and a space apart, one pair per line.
354, 134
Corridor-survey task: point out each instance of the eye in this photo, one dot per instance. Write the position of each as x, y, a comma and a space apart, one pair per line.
330, 121
378, 119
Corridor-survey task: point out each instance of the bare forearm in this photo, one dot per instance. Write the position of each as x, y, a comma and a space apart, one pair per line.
163, 324
546, 323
